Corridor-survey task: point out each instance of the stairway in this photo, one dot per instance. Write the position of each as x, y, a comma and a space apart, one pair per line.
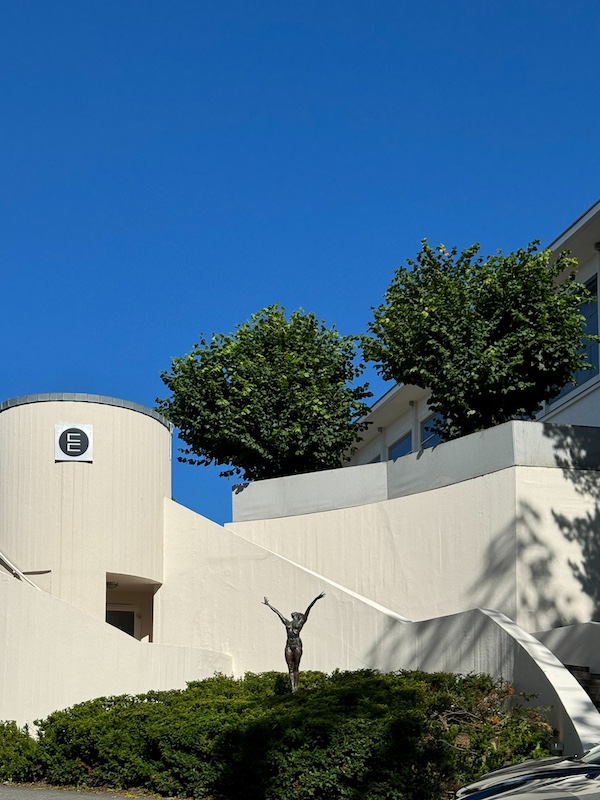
590, 681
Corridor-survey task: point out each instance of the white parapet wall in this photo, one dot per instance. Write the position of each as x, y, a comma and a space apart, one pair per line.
311, 492
513, 444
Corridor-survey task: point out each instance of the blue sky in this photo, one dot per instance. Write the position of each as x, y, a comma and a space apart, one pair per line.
168, 168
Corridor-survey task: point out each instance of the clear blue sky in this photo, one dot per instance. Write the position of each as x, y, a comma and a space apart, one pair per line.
170, 167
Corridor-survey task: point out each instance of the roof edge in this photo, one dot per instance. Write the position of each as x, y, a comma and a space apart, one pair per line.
81, 397
574, 226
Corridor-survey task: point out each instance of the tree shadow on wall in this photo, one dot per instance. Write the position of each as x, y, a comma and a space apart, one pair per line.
535, 579
519, 545
543, 603
516, 574
577, 454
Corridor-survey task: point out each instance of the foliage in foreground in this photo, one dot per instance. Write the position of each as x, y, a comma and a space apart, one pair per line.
491, 337
274, 398
18, 754
349, 735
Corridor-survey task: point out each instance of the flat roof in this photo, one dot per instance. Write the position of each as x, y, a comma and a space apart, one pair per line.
80, 397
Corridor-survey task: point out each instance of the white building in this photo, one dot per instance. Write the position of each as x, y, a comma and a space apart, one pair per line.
481, 542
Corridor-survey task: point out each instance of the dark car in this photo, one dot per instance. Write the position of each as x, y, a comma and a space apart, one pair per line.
575, 787
510, 779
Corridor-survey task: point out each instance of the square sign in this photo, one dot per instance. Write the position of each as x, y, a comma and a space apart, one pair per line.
73, 442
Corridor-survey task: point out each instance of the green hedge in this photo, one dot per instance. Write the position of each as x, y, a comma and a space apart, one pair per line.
18, 754
363, 734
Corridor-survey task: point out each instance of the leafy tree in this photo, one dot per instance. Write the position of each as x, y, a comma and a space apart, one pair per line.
490, 337
274, 398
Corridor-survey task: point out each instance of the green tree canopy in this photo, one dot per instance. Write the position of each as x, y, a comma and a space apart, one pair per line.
490, 337
274, 398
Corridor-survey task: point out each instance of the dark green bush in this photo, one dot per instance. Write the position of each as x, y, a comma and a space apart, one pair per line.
354, 735
18, 753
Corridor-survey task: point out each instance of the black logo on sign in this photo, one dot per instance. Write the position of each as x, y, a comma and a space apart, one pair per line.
73, 442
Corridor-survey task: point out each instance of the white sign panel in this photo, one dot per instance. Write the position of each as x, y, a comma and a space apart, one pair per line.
73, 442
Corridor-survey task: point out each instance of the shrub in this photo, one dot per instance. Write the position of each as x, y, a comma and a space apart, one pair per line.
17, 753
362, 734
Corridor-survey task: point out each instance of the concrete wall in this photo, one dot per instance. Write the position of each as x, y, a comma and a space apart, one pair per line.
222, 579
423, 556
77, 521
511, 526
578, 645
557, 566
212, 596
505, 519
516, 443
53, 656
68, 657
314, 491
209, 616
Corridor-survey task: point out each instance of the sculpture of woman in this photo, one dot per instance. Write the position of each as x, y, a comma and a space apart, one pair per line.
293, 646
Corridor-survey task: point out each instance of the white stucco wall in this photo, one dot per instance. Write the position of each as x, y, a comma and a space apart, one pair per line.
82, 520
512, 526
516, 443
422, 556
67, 656
311, 492
212, 598
212, 595
578, 645
505, 519
558, 571
53, 656
210, 617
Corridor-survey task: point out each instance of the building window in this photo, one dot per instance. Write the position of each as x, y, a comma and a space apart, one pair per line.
590, 325
430, 438
124, 617
401, 448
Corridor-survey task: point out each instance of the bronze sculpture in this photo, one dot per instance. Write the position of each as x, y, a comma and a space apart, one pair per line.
293, 645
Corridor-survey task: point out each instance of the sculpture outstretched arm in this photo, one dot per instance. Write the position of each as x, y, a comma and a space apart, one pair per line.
279, 614
318, 597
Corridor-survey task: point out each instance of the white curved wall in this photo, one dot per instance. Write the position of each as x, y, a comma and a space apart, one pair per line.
81, 520
53, 656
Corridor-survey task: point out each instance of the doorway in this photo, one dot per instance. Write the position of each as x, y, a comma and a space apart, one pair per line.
125, 617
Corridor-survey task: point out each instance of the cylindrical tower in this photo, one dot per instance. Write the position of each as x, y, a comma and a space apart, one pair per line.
82, 484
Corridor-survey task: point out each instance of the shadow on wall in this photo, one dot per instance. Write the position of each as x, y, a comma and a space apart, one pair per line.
477, 641
578, 455
430, 645
539, 605
494, 586
516, 575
